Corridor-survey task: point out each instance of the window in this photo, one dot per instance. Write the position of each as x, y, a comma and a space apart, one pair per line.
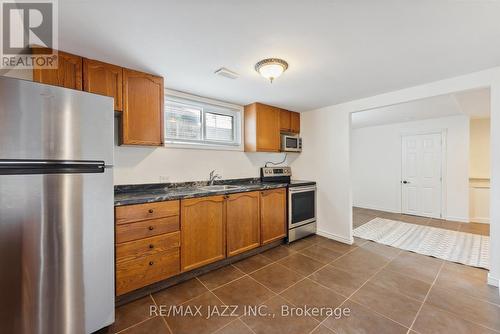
190, 121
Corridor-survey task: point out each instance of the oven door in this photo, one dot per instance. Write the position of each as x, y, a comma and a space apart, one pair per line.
301, 206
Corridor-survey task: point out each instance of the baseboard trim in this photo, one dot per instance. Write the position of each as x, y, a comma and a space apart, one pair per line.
458, 219
492, 280
335, 237
370, 207
480, 220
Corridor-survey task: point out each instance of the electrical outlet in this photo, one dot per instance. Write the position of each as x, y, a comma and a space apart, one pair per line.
164, 178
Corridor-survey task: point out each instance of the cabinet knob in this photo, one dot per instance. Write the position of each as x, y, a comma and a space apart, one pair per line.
150, 210
151, 228
151, 246
151, 263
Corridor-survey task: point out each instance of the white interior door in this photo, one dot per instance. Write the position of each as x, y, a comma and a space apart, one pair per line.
421, 175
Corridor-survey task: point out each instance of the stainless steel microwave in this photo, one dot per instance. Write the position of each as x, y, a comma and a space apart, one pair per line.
291, 143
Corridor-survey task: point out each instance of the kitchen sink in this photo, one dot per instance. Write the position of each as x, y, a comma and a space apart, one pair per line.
219, 187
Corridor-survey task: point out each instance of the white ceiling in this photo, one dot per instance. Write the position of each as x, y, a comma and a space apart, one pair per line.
337, 50
472, 103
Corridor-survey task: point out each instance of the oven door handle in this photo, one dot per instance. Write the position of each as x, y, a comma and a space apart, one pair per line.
301, 189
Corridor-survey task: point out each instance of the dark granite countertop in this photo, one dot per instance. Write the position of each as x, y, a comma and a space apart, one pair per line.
147, 193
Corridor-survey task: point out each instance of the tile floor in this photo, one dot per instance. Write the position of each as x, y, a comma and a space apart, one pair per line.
362, 216
386, 290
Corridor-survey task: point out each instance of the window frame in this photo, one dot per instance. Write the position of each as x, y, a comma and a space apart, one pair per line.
207, 106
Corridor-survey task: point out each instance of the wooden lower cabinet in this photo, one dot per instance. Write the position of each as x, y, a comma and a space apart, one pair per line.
272, 215
147, 250
145, 270
242, 222
203, 231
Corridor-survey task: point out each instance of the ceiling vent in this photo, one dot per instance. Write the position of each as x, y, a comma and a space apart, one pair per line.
224, 72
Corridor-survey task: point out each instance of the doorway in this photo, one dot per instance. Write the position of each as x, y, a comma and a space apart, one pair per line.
421, 173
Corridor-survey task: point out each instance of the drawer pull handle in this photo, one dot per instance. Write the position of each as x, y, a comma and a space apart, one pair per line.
151, 228
151, 246
150, 210
151, 263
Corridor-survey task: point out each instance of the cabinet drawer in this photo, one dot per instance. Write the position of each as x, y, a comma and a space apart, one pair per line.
146, 228
132, 213
135, 249
135, 274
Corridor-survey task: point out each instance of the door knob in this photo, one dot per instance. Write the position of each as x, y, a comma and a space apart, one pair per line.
405, 182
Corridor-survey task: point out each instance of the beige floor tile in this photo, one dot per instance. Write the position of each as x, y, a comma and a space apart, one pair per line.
301, 264
387, 252
342, 282
363, 320
320, 253
180, 293
360, 262
300, 244
421, 267
402, 284
235, 327
310, 294
468, 281
201, 323
131, 314
337, 246
280, 323
154, 325
243, 292
465, 307
252, 263
433, 320
388, 303
276, 277
277, 253
447, 225
220, 276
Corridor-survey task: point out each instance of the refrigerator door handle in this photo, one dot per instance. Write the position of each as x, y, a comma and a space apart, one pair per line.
18, 167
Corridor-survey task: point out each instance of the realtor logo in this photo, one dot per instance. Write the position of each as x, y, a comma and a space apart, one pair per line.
28, 34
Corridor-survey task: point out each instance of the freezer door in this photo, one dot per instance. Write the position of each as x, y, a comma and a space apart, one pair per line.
42, 122
56, 253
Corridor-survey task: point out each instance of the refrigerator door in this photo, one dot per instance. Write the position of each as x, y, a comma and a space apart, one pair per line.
56, 252
42, 122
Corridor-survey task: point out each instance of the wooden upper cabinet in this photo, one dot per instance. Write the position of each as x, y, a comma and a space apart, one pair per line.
202, 231
262, 128
285, 120
294, 122
272, 215
104, 79
242, 222
142, 109
68, 73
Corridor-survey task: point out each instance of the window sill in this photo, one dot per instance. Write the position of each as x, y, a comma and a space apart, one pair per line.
195, 146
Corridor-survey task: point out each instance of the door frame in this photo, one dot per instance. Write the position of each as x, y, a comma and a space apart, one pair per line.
444, 150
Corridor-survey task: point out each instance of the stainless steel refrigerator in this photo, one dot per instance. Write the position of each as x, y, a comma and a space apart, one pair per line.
56, 209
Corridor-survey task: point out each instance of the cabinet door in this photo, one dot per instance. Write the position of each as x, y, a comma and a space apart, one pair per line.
202, 231
268, 128
243, 222
285, 120
68, 73
295, 122
142, 109
273, 215
104, 79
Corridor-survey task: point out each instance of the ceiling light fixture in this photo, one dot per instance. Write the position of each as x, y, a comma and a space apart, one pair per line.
271, 68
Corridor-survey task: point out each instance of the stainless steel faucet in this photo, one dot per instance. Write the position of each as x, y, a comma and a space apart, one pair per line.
213, 176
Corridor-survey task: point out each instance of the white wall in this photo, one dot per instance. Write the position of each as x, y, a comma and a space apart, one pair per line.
376, 164
134, 165
480, 148
325, 159
333, 140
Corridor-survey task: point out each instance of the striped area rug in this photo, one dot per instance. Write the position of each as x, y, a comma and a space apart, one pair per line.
466, 248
